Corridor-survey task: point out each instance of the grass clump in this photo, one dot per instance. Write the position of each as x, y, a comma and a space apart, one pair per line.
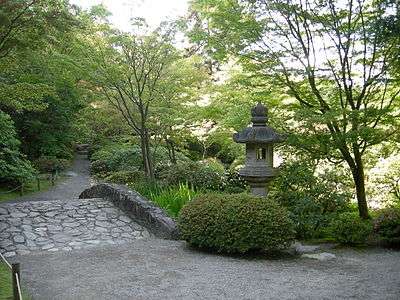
169, 198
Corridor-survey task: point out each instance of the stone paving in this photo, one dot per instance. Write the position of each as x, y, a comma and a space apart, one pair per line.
56, 225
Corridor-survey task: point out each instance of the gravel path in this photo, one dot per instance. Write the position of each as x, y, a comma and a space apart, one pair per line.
160, 269
78, 179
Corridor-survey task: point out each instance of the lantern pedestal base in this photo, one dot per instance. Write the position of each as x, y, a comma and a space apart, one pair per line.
259, 190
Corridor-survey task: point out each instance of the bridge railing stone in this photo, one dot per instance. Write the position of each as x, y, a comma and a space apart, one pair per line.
137, 207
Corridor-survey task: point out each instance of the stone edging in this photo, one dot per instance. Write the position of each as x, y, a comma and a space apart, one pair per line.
137, 207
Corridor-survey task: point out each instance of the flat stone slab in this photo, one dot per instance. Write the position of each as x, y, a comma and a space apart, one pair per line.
64, 225
324, 256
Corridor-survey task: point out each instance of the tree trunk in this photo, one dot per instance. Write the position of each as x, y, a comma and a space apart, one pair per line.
359, 181
171, 150
147, 161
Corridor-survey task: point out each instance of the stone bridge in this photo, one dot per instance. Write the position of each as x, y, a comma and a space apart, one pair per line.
61, 225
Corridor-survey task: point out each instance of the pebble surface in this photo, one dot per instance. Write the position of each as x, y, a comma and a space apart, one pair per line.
62, 225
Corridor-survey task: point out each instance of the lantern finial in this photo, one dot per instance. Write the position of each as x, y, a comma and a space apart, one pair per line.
259, 115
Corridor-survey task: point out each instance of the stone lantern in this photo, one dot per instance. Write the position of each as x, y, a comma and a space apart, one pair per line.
259, 139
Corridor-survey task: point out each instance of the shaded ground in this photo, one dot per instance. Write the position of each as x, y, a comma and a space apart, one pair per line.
78, 179
159, 269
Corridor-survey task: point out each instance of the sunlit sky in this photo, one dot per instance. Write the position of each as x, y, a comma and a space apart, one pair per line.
154, 11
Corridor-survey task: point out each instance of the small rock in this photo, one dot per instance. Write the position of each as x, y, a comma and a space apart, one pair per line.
23, 252
324, 256
30, 244
18, 215
72, 225
302, 249
100, 229
3, 226
30, 235
93, 242
47, 247
9, 254
19, 239
125, 219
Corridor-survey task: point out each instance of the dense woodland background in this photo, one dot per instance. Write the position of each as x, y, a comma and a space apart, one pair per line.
158, 116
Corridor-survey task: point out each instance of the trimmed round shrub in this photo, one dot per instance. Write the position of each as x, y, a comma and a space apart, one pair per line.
235, 223
350, 229
387, 225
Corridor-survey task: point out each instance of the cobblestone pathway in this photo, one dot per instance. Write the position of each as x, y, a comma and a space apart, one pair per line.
63, 225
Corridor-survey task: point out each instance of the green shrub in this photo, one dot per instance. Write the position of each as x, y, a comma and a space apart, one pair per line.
350, 229
207, 175
49, 164
233, 183
126, 157
235, 223
125, 176
387, 225
116, 157
312, 200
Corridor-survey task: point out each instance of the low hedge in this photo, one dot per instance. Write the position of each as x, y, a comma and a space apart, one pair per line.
235, 223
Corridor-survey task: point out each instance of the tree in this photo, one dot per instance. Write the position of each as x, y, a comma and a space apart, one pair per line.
13, 165
130, 71
327, 56
187, 79
39, 80
27, 23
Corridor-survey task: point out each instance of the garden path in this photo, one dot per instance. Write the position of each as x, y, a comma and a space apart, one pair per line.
161, 269
57, 220
78, 179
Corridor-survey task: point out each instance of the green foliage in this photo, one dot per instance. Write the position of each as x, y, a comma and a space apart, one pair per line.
98, 124
13, 165
124, 176
330, 111
207, 175
313, 200
172, 199
349, 228
235, 223
116, 157
233, 183
49, 164
387, 225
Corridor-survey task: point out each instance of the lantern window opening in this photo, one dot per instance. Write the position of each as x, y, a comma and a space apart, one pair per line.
261, 153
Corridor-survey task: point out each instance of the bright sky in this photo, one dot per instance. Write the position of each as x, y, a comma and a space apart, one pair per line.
154, 11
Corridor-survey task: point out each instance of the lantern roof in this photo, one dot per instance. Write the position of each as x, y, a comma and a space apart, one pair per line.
260, 132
